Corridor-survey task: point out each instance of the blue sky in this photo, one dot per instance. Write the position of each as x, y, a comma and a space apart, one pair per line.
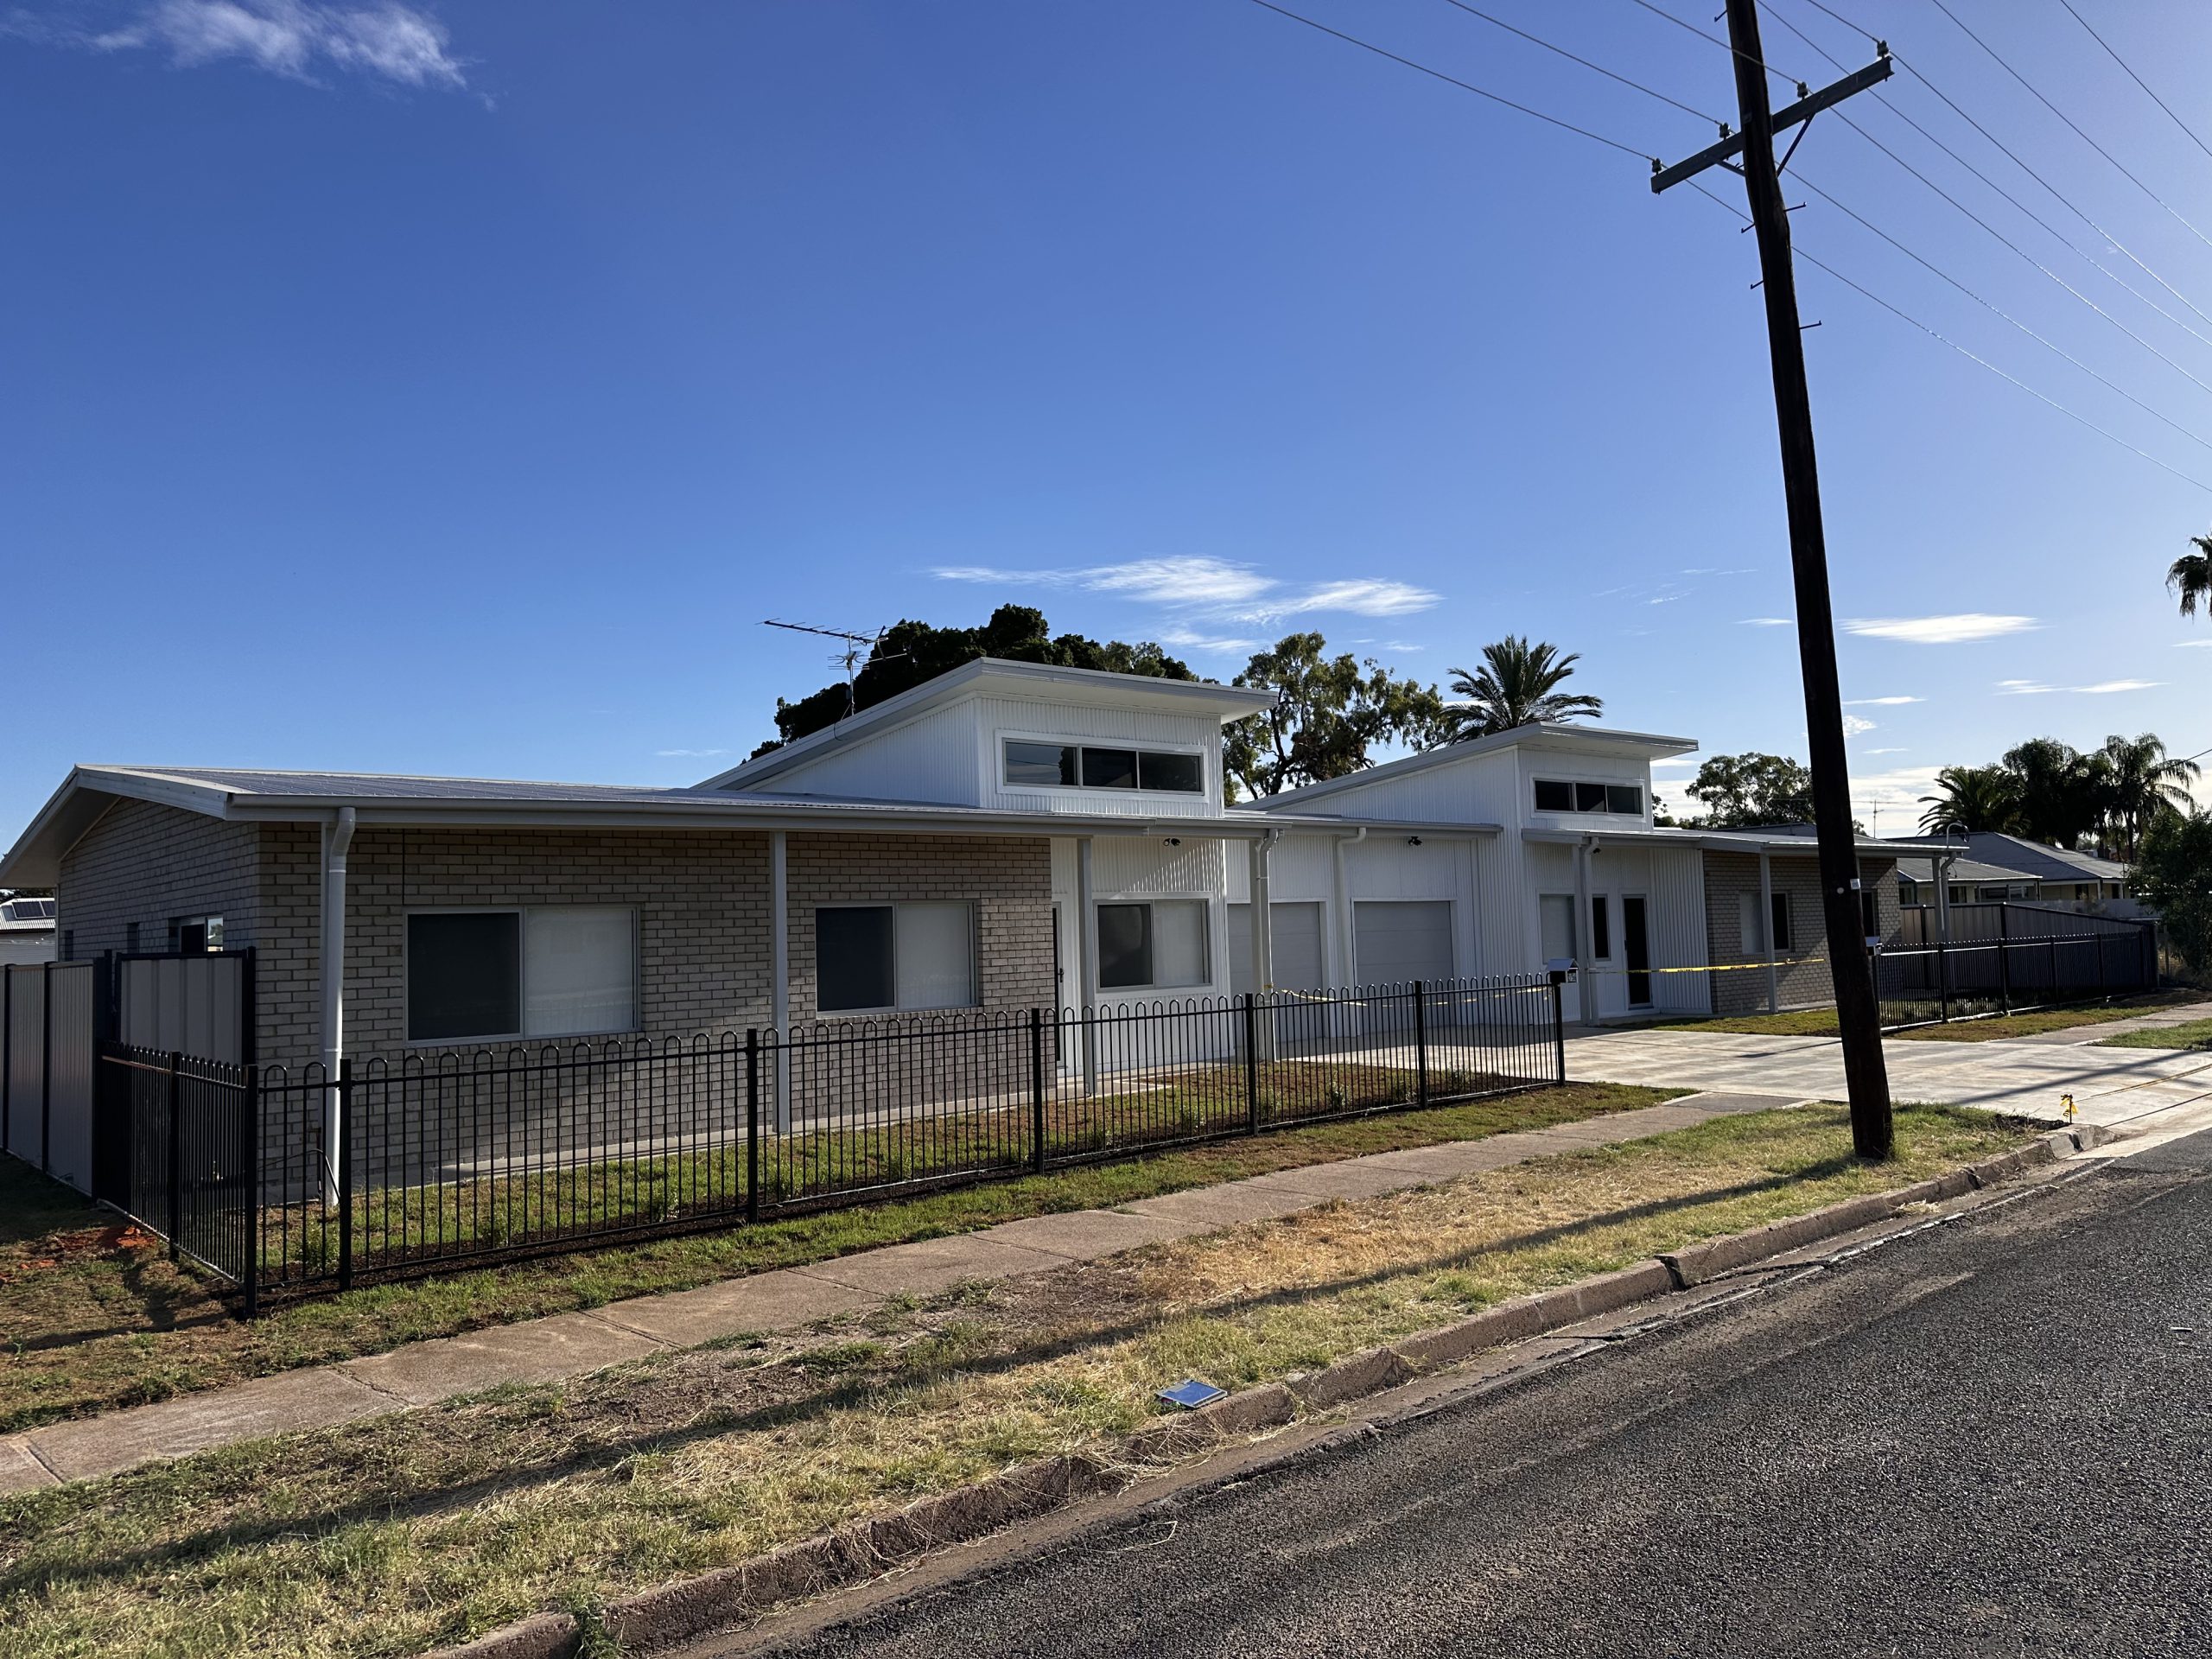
455, 387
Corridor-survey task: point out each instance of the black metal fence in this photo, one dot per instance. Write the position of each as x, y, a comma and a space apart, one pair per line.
2012, 958
285, 1180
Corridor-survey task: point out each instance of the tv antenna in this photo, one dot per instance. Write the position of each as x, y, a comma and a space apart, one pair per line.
857, 647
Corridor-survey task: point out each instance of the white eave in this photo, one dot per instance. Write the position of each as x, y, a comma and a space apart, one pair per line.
1038, 680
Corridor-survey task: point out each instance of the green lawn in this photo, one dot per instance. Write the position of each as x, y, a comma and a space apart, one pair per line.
1821, 1022
2196, 1033
92, 1319
384, 1538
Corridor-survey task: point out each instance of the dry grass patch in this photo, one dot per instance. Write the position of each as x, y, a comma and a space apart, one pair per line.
385, 1537
85, 1330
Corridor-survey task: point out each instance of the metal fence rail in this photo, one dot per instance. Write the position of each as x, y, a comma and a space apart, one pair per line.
288, 1181
1998, 969
194, 1160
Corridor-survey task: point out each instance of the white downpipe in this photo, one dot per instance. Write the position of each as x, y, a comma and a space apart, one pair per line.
337, 841
1086, 963
1260, 852
1586, 963
1340, 882
779, 969
1766, 930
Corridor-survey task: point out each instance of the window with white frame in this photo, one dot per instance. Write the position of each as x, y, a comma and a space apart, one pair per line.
553, 971
880, 958
1754, 938
1155, 944
1555, 917
1556, 795
1032, 763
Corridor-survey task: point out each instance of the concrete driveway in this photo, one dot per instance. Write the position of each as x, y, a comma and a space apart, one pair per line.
2109, 1085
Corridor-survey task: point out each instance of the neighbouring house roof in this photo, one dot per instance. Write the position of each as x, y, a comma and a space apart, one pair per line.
1921, 868
250, 796
26, 915
1551, 735
1082, 685
2033, 860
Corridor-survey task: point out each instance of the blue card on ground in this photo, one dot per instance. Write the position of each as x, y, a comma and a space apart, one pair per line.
1191, 1393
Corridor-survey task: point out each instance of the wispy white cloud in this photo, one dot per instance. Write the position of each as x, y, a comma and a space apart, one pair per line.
1854, 725
1212, 587
291, 38
1187, 639
690, 754
1952, 630
2189, 644
1880, 703
1898, 751
2103, 688
1401, 645
1765, 622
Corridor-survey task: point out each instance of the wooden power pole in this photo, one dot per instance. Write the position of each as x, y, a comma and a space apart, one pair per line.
1849, 960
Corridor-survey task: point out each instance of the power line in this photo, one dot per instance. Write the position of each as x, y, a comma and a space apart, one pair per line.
1706, 35
1905, 316
1537, 40
2137, 78
1463, 86
1996, 311
2011, 155
2033, 217
2070, 121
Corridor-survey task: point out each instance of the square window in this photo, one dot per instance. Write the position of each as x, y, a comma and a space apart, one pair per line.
1109, 768
1624, 797
579, 969
1552, 797
1555, 914
933, 946
1124, 946
1048, 764
1184, 774
1589, 797
1156, 945
854, 966
464, 975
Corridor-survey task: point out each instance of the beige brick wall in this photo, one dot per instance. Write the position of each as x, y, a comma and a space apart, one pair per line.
149, 864
1802, 973
703, 916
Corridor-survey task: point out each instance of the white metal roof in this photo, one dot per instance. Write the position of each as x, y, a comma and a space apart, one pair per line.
247, 796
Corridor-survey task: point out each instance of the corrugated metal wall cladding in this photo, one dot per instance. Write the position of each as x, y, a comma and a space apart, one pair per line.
1122, 864
931, 758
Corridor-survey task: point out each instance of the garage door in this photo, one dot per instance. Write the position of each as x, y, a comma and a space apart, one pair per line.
1297, 947
1399, 939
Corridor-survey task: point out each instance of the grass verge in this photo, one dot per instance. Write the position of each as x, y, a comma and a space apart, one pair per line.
93, 1317
1821, 1022
2196, 1033
386, 1537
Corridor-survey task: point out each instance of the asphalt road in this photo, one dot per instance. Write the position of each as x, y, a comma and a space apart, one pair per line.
1989, 1440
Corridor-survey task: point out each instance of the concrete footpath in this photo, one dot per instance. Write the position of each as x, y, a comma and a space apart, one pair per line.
2026, 1077
571, 1345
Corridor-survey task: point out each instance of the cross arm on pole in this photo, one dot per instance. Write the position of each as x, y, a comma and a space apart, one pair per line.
1803, 110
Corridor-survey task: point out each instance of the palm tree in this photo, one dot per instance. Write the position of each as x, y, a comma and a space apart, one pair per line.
1973, 798
2062, 790
2140, 783
2190, 577
1517, 685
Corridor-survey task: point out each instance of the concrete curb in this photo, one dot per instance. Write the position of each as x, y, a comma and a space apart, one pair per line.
862, 1549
